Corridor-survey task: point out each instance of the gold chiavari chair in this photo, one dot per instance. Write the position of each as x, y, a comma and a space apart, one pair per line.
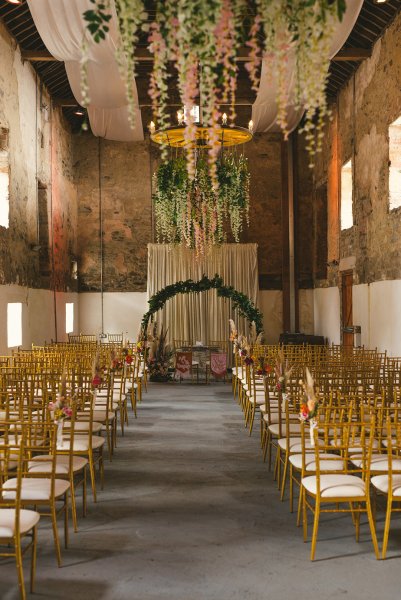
348, 488
41, 488
16, 523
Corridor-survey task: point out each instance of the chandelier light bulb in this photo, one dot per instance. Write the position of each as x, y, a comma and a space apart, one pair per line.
224, 119
180, 117
250, 126
152, 127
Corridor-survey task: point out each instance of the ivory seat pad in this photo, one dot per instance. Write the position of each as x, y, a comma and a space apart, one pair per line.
36, 488
84, 426
310, 462
81, 443
295, 444
27, 520
274, 418
379, 462
356, 449
42, 464
258, 400
336, 486
274, 428
381, 482
112, 405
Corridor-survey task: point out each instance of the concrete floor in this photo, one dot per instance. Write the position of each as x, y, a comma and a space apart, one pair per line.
190, 512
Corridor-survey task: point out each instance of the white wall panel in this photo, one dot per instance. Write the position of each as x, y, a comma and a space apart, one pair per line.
327, 313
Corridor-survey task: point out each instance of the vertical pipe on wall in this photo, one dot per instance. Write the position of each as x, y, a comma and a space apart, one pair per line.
101, 233
288, 237
51, 218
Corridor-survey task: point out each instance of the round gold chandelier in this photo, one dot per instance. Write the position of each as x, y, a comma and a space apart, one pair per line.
174, 136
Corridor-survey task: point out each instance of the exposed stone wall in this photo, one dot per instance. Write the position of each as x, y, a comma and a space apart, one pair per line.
125, 189
359, 131
117, 177
39, 151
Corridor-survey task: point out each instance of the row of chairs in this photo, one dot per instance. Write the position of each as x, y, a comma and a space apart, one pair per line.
47, 457
345, 456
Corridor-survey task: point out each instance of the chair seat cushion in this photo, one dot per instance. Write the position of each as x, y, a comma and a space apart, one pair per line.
84, 426
81, 443
295, 444
38, 488
273, 417
42, 464
381, 482
310, 462
379, 462
336, 486
274, 428
27, 520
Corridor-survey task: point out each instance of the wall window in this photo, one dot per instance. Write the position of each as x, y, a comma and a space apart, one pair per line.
395, 164
14, 324
4, 178
347, 219
69, 317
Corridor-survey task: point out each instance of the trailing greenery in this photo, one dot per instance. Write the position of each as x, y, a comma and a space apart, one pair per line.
190, 211
241, 302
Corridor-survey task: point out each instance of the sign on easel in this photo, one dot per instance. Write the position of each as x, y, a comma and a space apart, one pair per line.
183, 365
218, 364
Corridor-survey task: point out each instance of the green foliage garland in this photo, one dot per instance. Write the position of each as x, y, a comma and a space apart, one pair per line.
191, 212
241, 302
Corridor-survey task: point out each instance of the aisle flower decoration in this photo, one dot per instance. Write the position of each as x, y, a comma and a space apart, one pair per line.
193, 211
97, 372
160, 355
309, 408
263, 368
61, 408
282, 372
233, 332
202, 40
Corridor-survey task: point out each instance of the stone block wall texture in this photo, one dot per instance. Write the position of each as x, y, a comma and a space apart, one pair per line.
365, 108
40, 156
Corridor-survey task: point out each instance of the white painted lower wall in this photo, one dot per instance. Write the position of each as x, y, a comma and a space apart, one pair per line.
376, 308
38, 315
122, 312
326, 311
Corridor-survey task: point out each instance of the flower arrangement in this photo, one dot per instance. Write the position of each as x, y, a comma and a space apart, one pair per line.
309, 408
233, 332
61, 408
202, 41
263, 368
97, 372
194, 212
160, 355
282, 371
128, 355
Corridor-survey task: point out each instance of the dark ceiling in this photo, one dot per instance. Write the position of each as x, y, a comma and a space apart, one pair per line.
372, 21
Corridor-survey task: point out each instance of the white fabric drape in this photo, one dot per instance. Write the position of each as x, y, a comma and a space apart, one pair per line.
202, 317
264, 109
62, 28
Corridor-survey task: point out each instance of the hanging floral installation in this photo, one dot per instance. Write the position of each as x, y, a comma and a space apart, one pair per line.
193, 212
201, 40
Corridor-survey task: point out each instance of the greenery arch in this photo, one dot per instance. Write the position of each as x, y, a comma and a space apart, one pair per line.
241, 302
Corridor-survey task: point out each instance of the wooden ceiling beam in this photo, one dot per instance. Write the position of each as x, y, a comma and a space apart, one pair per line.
352, 54
38, 56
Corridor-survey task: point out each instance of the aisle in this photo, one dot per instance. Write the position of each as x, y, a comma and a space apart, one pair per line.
189, 512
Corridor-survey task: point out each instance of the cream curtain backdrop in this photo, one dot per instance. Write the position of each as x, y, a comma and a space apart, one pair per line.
204, 316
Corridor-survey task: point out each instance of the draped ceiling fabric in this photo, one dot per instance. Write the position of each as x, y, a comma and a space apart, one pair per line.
264, 109
62, 28
202, 317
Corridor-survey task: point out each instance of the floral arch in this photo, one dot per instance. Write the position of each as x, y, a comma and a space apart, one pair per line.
241, 302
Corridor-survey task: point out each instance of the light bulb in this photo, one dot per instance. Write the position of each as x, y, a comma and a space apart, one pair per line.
224, 119
180, 117
250, 126
152, 127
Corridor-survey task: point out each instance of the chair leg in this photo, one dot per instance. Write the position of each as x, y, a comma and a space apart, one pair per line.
66, 532
93, 478
53, 515
315, 529
84, 492
304, 514
33, 559
372, 527
20, 571
284, 478
387, 526
73, 505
